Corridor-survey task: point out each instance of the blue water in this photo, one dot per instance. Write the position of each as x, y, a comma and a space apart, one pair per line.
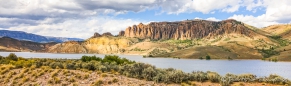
257, 67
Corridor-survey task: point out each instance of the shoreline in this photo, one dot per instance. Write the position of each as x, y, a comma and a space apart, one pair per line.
148, 57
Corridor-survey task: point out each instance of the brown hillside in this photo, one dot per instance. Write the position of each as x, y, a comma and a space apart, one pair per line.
283, 30
10, 44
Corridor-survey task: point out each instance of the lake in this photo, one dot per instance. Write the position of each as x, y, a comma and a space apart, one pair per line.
257, 67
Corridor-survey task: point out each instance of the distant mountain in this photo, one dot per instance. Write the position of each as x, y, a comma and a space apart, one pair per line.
14, 45
35, 38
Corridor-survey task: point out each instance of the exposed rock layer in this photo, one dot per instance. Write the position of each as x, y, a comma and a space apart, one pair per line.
100, 45
190, 29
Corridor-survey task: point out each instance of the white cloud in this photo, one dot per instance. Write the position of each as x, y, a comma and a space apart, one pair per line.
213, 19
82, 17
276, 12
206, 6
260, 21
80, 28
68, 8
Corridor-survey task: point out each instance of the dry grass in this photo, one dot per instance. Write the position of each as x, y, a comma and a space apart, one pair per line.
59, 77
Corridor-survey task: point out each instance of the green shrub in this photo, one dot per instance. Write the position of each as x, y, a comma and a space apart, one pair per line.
12, 56
207, 57
90, 58
1, 57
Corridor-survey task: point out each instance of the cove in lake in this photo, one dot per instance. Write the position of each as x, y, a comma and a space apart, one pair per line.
257, 67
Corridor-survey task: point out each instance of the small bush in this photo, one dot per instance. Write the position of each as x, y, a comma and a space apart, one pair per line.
72, 79
207, 57
98, 83
115, 80
24, 79
86, 76
104, 75
90, 58
12, 56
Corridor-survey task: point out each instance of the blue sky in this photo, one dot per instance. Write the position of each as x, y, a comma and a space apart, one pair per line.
82, 18
156, 15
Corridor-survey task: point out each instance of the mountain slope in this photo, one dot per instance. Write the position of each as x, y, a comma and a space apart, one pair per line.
283, 30
184, 39
10, 44
33, 37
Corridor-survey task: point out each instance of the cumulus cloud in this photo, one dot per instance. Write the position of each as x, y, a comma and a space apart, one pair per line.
213, 19
84, 17
206, 6
79, 28
276, 12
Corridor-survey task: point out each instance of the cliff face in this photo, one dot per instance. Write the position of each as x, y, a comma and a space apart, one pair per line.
10, 44
189, 29
101, 45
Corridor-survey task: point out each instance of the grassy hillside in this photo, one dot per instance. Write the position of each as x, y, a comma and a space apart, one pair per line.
282, 30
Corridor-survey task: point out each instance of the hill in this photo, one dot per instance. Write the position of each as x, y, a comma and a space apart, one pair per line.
227, 39
183, 39
35, 38
282, 30
14, 45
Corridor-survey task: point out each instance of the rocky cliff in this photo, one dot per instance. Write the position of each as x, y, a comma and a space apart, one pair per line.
190, 29
101, 44
10, 44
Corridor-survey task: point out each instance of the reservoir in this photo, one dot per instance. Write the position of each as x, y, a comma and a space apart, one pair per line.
257, 67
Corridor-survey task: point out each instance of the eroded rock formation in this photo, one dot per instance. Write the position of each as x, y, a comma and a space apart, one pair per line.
96, 34
189, 29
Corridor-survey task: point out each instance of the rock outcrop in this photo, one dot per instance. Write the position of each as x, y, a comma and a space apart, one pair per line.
107, 34
101, 45
190, 29
121, 33
96, 34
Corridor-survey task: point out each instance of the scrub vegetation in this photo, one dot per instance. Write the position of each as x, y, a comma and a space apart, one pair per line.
110, 70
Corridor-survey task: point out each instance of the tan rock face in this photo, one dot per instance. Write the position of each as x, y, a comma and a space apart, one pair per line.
121, 33
100, 45
186, 29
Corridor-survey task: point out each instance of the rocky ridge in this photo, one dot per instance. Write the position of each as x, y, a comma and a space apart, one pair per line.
188, 29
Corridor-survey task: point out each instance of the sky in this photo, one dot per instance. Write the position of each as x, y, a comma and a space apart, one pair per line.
82, 18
